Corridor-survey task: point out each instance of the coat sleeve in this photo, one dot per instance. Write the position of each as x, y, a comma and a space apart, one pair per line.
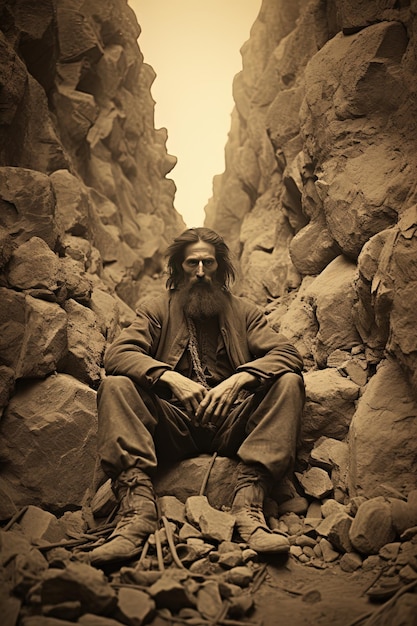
132, 353
272, 353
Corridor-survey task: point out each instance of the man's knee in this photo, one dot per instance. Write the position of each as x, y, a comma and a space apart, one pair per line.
115, 385
290, 382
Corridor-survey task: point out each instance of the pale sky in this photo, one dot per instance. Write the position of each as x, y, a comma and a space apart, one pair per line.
194, 48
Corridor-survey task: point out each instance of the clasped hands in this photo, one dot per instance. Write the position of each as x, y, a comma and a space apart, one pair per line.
208, 406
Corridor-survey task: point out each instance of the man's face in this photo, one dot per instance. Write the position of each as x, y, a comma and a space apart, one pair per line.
199, 265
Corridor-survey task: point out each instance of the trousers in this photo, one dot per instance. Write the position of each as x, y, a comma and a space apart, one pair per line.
137, 428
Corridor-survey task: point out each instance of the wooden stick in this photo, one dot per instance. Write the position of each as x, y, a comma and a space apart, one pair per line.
171, 543
207, 475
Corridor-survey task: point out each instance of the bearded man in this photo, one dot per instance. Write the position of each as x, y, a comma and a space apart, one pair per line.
199, 371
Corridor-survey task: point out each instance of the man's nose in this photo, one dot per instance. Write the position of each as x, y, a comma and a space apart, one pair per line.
200, 270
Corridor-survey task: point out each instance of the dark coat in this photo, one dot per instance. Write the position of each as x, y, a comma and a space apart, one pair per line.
157, 338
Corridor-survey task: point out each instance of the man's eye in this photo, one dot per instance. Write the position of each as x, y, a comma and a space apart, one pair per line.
192, 262
208, 262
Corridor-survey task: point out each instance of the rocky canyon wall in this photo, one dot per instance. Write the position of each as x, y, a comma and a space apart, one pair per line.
318, 199
86, 212
318, 202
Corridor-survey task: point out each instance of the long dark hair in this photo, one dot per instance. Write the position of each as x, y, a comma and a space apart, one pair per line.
175, 253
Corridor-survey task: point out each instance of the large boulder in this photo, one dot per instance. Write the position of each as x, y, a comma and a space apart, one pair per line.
47, 445
85, 344
33, 334
330, 405
33, 265
27, 205
332, 295
383, 433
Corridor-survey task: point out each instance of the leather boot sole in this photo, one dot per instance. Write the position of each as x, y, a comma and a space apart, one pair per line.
263, 541
116, 550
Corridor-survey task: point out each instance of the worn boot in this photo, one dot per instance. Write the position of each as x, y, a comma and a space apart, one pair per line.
137, 519
247, 508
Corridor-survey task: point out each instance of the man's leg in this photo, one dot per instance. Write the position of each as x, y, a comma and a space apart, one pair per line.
264, 434
133, 427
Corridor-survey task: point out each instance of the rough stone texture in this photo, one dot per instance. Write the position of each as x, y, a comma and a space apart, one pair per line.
33, 334
219, 488
318, 202
86, 210
323, 218
214, 524
384, 424
330, 405
85, 344
48, 443
372, 526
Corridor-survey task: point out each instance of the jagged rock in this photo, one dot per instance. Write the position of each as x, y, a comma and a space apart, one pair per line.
350, 562
6, 247
395, 296
209, 600
356, 370
23, 273
231, 559
316, 482
382, 425
78, 249
106, 310
200, 547
356, 92
338, 357
305, 541
71, 203
328, 553
187, 530
336, 529
314, 510
331, 506
74, 283
338, 533
21, 563
170, 593
299, 323
20, 189
390, 551
184, 479
329, 453
54, 422
134, 607
330, 405
241, 576
35, 340
404, 514
214, 524
333, 295
7, 378
41, 526
85, 344
79, 582
172, 508
372, 526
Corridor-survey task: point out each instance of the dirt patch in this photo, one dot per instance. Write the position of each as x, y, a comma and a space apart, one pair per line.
298, 595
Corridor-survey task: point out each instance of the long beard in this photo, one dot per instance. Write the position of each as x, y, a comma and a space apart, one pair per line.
203, 300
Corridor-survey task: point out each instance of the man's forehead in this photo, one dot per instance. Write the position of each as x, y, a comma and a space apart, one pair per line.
200, 248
